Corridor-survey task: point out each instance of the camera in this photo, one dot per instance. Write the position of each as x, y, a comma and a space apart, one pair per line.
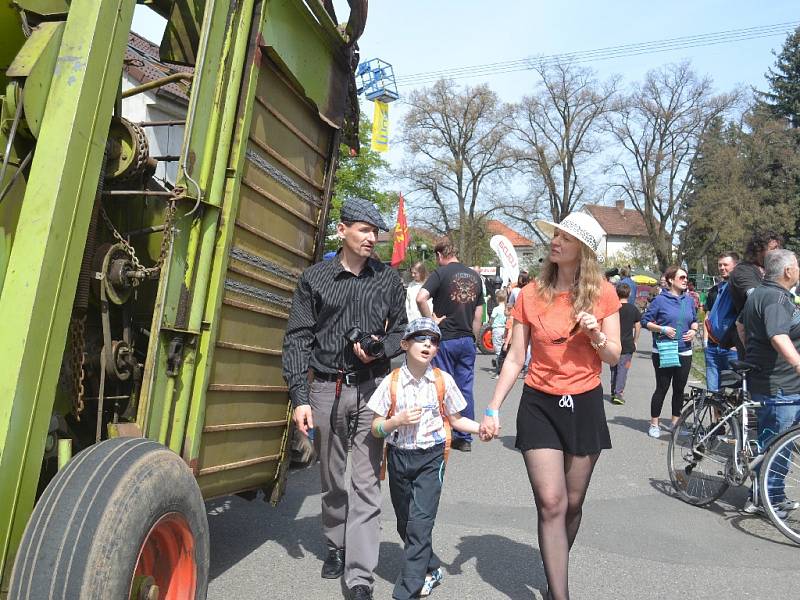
369, 344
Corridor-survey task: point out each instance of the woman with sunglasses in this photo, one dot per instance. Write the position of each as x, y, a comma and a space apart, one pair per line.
569, 315
671, 316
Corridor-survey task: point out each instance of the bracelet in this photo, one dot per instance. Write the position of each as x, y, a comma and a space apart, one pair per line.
491, 412
380, 430
601, 344
663, 330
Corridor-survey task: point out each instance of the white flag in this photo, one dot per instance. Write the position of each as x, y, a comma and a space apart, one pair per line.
508, 258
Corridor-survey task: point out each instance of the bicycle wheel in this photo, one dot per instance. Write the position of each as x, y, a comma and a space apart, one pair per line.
779, 480
698, 462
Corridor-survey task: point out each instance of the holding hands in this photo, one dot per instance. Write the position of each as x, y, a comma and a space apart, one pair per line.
490, 426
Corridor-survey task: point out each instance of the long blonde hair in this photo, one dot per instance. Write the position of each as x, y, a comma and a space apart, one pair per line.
585, 289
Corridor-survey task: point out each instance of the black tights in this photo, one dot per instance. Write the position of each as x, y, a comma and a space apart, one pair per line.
559, 482
677, 376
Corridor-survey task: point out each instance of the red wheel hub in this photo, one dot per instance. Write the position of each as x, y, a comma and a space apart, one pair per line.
487, 340
167, 558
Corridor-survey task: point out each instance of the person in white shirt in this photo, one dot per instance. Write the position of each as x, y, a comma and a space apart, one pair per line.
408, 413
419, 274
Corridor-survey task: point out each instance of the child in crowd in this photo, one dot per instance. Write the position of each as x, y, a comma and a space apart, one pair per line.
629, 328
498, 320
416, 435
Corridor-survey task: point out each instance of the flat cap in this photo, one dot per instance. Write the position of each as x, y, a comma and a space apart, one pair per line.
358, 209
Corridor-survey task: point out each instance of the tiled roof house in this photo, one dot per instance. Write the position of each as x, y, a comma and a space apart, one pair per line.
622, 226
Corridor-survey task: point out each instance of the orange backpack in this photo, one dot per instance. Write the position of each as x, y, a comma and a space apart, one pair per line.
439, 379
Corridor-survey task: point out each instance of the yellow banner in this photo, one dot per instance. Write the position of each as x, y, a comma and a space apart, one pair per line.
380, 127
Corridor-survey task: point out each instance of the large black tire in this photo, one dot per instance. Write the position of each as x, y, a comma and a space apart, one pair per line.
485, 339
86, 534
699, 461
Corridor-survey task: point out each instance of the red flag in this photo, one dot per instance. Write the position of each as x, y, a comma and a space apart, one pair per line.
400, 235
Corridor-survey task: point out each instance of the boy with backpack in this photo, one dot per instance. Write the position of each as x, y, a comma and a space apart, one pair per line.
720, 323
414, 407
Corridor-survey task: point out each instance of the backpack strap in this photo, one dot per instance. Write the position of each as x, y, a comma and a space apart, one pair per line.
394, 379
440, 391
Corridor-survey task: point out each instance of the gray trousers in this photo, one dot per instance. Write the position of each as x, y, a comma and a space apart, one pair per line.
350, 513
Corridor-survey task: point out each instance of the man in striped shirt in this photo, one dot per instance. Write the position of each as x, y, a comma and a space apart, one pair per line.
352, 290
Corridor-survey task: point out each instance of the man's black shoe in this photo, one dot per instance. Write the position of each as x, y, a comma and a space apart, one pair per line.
361, 592
333, 567
461, 444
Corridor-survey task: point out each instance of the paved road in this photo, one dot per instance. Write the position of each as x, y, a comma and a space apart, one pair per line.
636, 541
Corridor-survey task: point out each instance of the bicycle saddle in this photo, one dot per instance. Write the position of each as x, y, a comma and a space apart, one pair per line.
743, 368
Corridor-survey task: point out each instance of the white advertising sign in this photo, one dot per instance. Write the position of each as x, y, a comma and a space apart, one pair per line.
508, 258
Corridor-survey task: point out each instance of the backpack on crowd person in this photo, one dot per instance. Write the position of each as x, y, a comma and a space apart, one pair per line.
721, 322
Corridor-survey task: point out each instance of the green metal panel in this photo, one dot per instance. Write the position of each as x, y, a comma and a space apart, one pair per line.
279, 179
12, 36
40, 283
36, 61
309, 54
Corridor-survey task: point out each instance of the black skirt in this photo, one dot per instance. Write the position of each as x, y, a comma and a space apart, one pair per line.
575, 424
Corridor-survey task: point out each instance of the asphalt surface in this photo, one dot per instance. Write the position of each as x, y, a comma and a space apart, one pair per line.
637, 540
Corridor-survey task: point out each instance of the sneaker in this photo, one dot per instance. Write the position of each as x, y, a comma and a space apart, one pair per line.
788, 505
431, 581
751, 508
654, 431
495, 375
617, 400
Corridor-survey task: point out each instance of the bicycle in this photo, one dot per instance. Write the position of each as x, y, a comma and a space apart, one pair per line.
714, 445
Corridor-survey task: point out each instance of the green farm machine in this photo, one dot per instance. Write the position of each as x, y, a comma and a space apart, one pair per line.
141, 320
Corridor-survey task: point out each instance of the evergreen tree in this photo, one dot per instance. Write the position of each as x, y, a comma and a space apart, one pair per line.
783, 98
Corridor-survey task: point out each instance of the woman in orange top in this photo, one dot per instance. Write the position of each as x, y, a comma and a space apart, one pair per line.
570, 315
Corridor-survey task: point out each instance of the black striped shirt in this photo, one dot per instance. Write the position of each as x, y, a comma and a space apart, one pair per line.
328, 301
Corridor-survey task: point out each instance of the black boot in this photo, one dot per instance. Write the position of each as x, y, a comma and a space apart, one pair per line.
333, 567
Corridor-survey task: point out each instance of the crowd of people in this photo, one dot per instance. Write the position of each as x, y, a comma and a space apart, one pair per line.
352, 314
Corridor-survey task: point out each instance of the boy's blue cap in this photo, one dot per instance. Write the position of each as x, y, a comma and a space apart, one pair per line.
422, 324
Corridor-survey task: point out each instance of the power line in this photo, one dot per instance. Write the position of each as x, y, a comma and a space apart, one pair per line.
607, 53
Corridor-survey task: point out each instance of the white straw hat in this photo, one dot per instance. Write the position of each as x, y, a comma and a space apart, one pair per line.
582, 226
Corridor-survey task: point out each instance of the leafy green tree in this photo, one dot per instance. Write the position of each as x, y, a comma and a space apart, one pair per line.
360, 176
744, 179
783, 98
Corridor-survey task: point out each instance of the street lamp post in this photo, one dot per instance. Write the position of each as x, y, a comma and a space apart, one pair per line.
422, 248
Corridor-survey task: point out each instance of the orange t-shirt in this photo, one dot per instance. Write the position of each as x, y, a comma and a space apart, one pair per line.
571, 367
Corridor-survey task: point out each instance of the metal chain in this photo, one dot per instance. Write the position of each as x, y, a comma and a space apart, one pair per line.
77, 328
169, 220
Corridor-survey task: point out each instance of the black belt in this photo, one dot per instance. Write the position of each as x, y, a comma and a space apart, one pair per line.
355, 377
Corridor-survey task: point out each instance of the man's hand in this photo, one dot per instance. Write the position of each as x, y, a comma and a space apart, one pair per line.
437, 318
303, 419
361, 355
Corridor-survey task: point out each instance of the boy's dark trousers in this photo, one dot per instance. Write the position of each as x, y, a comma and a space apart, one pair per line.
415, 484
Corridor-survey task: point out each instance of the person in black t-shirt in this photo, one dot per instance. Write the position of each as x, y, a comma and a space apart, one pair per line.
629, 328
748, 275
458, 309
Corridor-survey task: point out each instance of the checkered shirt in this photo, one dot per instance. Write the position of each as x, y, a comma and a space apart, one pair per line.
413, 393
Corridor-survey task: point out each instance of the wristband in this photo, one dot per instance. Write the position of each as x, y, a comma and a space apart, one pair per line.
491, 412
663, 330
380, 430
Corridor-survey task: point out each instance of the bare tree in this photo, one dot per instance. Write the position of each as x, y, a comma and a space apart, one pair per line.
659, 126
457, 145
558, 127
